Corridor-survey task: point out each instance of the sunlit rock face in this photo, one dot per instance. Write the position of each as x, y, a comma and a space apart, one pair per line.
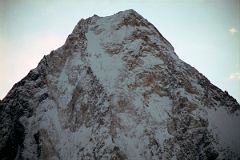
117, 90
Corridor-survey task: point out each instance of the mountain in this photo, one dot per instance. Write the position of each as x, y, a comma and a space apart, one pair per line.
117, 90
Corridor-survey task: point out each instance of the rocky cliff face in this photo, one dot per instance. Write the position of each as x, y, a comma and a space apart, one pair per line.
117, 90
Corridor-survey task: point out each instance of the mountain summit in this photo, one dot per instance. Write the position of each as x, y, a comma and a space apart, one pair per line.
117, 90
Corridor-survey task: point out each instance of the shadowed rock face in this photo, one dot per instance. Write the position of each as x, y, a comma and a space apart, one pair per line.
117, 90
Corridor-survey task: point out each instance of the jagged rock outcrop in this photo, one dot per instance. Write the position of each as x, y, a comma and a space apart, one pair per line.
117, 90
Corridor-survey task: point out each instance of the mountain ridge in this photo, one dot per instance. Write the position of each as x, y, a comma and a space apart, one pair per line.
116, 80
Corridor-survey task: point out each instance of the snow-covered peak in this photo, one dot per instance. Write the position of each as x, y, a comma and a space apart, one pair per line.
130, 13
117, 90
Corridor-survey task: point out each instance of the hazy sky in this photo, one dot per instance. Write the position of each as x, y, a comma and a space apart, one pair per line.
204, 33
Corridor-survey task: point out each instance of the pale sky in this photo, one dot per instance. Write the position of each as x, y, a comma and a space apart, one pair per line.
204, 33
